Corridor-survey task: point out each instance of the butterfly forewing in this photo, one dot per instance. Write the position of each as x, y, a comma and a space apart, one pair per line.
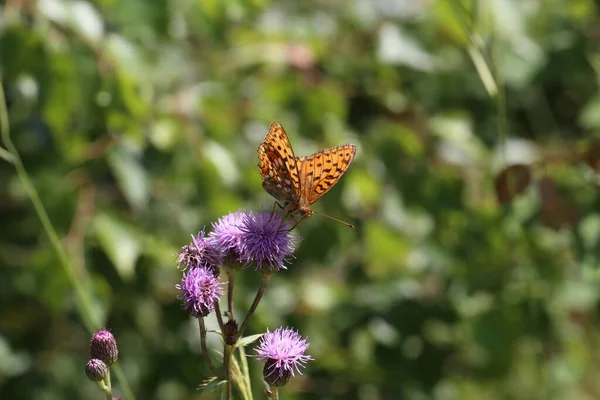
277, 165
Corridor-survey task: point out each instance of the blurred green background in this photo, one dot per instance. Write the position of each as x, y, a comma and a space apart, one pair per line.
473, 269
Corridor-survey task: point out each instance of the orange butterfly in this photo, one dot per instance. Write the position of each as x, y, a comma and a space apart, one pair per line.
300, 181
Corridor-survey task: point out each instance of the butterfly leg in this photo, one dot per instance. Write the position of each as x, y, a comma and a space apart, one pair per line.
296, 222
273, 209
273, 213
276, 204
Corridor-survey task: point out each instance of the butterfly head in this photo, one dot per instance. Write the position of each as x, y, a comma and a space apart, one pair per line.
305, 212
297, 212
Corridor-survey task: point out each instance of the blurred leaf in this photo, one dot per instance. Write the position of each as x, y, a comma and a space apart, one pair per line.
590, 115
119, 242
386, 251
132, 178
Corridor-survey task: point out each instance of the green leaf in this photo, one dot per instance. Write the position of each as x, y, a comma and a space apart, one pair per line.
119, 243
245, 341
212, 384
131, 177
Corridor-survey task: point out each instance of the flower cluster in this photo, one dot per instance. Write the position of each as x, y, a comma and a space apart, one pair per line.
260, 239
240, 240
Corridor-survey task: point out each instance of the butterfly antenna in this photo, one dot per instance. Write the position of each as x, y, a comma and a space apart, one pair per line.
335, 219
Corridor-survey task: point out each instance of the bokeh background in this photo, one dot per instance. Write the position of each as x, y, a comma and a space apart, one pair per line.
473, 271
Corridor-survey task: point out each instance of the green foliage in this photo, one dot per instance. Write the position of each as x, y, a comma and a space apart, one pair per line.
473, 269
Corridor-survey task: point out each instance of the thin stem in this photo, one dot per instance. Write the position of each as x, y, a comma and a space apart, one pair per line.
227, 363
108, 385
204, 347
219, 316
105, 386
83, 302
261, 290
4, 154
231, 276
275, 393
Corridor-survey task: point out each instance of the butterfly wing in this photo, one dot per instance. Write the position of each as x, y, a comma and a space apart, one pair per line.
277, 165
322, 170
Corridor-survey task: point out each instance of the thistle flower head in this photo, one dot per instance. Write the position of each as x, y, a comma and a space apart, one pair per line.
266, 241
283, 353
200, 290
96, 370
227, 235
200, 253
103, 346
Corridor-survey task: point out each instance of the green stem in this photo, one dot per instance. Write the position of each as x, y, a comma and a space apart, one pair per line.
109, 386
227, 363
106, 387
261, 290
204, 347
82, 301
219, 316
230, 286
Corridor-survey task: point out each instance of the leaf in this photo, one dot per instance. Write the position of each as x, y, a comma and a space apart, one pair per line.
245, 341
240, 379
131, 177
212, 384
119, 243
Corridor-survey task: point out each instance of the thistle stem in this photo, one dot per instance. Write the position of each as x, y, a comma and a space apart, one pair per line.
261, 290
227, 362
231, 276
204, 347
275, 393
105, 386
219, 315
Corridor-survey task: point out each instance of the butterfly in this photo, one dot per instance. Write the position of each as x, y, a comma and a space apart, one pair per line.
299, 182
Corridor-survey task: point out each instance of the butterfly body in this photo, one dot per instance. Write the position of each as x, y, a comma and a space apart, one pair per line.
299, 182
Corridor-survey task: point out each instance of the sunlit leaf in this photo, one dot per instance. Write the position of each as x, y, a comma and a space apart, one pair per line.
131, 177
119, 242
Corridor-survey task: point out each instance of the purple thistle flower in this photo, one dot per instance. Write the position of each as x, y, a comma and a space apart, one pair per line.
199, 254
283, 353
103, 346
266, 241
96, 370
227, 236
200, 289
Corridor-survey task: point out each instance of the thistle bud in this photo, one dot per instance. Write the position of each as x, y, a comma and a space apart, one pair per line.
96, 370
103, 346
